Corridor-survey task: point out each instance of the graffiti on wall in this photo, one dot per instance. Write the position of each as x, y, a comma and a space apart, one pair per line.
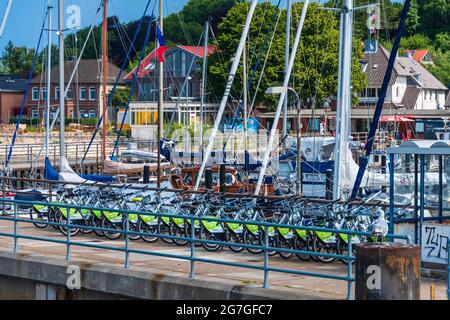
434, 243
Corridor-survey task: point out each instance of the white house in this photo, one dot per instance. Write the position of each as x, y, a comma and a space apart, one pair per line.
412, 86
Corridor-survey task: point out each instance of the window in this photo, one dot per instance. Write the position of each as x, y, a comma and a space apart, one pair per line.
35, 94
69, 94
82, 93
92, 94
57, 93
436, 96
314, 125
34, 114
71, 114
398, 92
44, 94
92, 114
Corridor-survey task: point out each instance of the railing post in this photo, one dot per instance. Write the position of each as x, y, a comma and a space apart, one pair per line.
3, 196
266, 257
68, 234
15, 229
127, 230
349, 267
192, 236
391, 194
422, 195
448, 269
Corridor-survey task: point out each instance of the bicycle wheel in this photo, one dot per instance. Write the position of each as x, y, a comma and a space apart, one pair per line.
106, 224
321, 247
63, 229
163, 229
132, 227
97, 223
37, 216
284, 244
251, 239
145, 228
342, 249
234, 238
205, 235
272, 241
301, 244
176, 231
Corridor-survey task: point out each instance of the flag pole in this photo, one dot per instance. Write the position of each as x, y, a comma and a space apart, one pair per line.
160, 97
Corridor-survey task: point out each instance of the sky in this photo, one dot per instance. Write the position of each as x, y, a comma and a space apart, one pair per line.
26, 16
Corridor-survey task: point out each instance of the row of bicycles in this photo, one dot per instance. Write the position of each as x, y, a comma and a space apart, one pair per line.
233, 223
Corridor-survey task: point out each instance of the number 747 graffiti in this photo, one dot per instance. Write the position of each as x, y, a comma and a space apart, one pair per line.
435, 245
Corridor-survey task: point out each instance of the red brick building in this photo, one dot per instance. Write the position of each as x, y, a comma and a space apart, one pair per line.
12, 91
84, 97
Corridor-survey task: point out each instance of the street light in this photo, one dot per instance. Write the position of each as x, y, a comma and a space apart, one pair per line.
280, 90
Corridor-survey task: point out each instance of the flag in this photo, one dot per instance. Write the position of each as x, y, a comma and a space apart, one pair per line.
162, 45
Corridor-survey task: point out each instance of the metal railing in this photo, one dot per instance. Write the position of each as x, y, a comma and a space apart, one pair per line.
26, 154
448, 269
192, 240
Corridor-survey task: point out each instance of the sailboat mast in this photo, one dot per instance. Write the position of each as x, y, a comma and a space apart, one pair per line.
245, 104
62, 107
344, 97
160, 96
286, 60
202, 101
105, 75
287, 76
5, 17
226, 95
49, 68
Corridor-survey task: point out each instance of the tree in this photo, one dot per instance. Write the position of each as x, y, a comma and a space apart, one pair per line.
415, 42
441, 69
443, 41
435, 16
413, 21
17, 60
315, 72
120, 97
187, 25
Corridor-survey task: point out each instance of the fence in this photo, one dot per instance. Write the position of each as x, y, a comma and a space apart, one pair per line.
192, 239
27, 154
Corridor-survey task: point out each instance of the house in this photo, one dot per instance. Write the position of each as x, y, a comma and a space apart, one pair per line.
177, 69
412, 91
421, 56
85, 95
12, 91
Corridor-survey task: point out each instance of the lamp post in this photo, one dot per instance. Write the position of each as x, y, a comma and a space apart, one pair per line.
280, 90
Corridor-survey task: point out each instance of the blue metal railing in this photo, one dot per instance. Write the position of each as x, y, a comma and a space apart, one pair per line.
448, 269
192, 239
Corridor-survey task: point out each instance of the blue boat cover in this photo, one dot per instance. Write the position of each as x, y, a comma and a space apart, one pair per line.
98, 178
50, 172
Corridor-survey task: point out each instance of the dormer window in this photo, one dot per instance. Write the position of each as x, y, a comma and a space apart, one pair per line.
375, 66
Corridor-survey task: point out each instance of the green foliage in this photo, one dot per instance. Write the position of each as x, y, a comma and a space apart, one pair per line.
443, 41
434, 16
187, 25
92, 122
120, 97
17, 60
441, 69
415, 42
315, 72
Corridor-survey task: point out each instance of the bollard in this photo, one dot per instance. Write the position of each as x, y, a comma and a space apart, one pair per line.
387, 271
222, 177
208, 179
329, 184
146, 174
